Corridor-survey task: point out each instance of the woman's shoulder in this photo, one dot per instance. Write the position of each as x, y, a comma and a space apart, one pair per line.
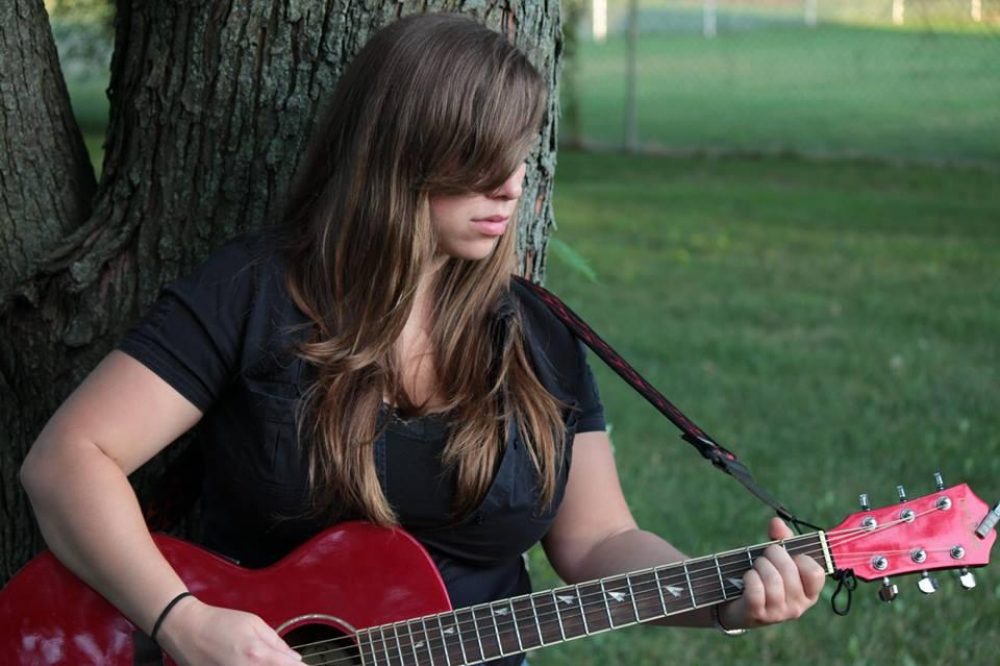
554, 347
242, 257
542, 322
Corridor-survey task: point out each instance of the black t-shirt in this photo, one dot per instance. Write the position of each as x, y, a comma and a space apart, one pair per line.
223, 337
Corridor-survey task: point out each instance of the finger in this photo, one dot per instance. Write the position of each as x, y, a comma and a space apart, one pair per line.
754, 596
777, 529
265, 655
811, 575
789, 572
277, 643
289, 658
774, 588
271, 637
276, 648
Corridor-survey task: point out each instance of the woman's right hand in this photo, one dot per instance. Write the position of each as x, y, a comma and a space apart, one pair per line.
197, 634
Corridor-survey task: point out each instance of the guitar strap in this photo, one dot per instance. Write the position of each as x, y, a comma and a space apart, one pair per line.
719, 456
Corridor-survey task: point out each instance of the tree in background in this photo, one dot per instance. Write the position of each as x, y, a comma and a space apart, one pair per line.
210, 107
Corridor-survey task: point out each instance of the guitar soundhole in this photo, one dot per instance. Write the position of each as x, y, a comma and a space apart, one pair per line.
321, 645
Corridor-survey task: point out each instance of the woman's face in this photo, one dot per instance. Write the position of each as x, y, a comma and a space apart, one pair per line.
468, 226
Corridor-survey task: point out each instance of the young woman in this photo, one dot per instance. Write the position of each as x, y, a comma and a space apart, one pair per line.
370, 357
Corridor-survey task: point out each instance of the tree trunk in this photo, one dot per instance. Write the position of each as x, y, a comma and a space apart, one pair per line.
211, 104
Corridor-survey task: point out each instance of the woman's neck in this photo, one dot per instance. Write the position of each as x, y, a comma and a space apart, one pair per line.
415, 350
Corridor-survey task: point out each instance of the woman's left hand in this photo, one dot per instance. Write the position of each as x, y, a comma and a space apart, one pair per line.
779, 587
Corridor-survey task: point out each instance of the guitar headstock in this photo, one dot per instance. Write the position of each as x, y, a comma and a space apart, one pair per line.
936, 531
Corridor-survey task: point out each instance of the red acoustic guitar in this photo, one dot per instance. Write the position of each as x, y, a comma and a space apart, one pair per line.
358, 594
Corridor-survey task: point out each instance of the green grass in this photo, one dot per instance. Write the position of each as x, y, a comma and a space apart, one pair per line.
837, 325
898, 93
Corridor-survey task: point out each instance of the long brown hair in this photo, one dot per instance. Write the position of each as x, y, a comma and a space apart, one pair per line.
432, 104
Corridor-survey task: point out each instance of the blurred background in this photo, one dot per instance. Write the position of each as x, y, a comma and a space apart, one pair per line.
786, 214
910, 79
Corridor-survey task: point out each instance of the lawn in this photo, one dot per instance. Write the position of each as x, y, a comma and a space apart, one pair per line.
835, 324
835, 89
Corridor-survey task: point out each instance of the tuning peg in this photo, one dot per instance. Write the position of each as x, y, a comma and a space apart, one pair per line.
938, 481
863, 501
926, 584
888, 591
989, 522
901, 492
966, 579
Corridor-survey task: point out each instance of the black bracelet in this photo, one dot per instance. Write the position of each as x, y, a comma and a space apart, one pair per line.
163, 615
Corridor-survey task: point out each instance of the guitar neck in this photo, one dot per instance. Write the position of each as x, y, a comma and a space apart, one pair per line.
509, 626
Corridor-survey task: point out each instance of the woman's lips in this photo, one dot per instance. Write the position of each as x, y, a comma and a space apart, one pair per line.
491, 226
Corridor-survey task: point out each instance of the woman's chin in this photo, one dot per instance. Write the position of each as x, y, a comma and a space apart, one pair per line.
471, 250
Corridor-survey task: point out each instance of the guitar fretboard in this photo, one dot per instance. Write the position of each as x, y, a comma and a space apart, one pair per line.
488, 631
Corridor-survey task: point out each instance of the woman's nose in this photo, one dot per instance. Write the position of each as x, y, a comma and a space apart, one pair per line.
512, 187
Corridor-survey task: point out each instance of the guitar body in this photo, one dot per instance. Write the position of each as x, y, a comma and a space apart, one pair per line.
347, 578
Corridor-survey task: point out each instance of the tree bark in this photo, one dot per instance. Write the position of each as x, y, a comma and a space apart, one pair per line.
211, 105
46, 188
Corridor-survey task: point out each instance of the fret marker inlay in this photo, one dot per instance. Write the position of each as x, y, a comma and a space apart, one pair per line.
736, 582
674, 590
566, 599
617, 596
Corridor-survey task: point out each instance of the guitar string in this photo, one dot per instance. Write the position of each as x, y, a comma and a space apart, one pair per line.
709, 560
862, 558
697, 573
390, 641
389, 634
395, 648
713, 572
677, 577
388, 650
400, 648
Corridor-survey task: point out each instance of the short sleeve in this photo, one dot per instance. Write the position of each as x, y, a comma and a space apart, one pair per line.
192, 334
590, 415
